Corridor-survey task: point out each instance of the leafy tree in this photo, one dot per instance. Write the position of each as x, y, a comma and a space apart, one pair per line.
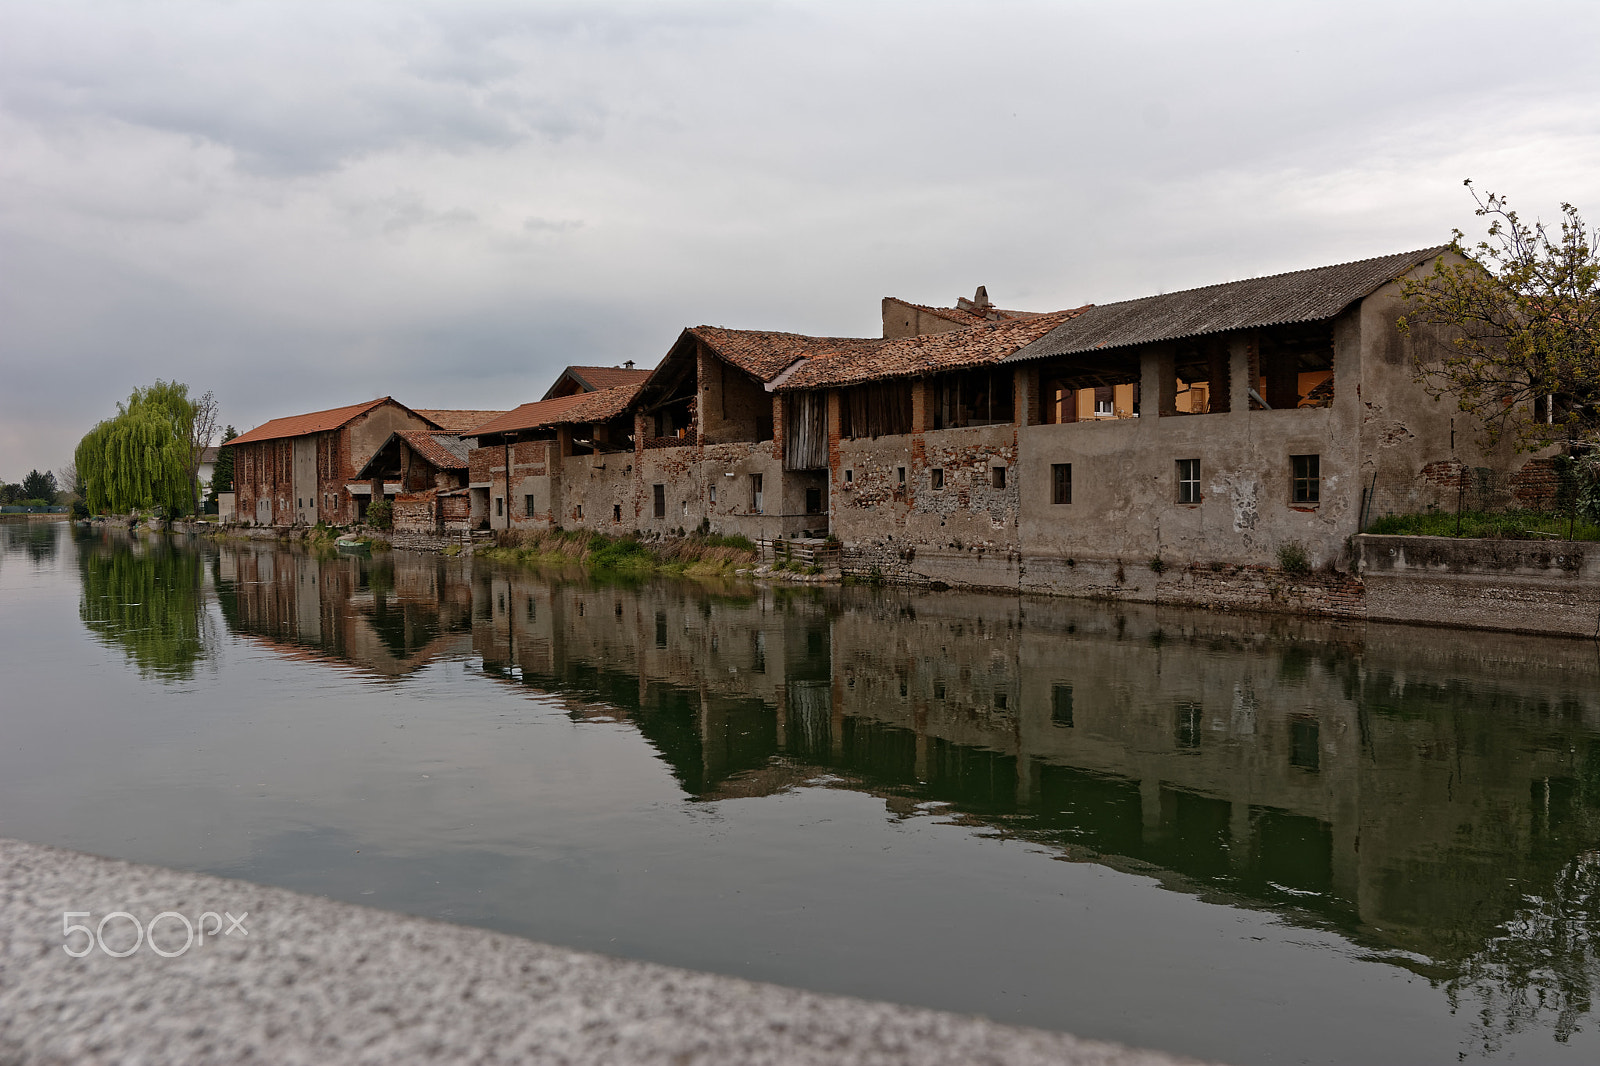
143, 457
202, 427
37, 486
1523, 306
222, 471
10, 492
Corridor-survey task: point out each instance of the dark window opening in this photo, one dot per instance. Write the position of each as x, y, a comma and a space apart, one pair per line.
1061, 706
997, 477
813, 501
849, 477
1304, 750
660, 500
1060, 482
616, 512
902, 474
499, 506
1294, 368
1306, 478
757, 497
527, 506
972, 398
936, 477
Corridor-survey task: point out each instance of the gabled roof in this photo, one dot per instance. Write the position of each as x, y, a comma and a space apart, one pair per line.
580, 407
442, 451
595, 378
315, 422
930, 353
1278, 300
458, 421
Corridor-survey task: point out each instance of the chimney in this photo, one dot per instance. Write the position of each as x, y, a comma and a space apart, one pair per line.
978, 305
628, 365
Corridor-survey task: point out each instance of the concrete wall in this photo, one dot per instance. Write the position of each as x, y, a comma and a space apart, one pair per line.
1519, 586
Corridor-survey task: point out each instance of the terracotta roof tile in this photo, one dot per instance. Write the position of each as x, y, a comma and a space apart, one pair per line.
580, 407
766, 354
457, 421
931, 353
445, 451
315, 422
608, 377
1281, 299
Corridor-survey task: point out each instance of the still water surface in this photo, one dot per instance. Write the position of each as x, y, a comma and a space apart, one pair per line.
1248, 839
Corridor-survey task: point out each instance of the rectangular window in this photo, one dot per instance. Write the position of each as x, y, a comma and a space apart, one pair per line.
1188, 481
1307, 478
499, 506
1061, 706
813, 501
713, 492
685, 504
1105, 401
757, 500
579, 515
660, 501
1060, 482
936, 477
527, 507
902, 473
997, 477
616, 512
849, 477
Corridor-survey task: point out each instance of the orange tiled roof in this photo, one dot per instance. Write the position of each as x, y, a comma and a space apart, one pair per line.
608, 377
436, 451
315, 422
457, 421
580, 407
930, 353
766, 354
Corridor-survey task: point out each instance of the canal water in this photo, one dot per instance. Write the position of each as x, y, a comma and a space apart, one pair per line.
1250, 839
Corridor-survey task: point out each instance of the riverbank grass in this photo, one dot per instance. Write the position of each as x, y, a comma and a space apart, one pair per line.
1483, 525
696, 554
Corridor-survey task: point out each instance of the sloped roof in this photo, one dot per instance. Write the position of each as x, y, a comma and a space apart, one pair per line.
458, 421
315, 422
595, 378
580, 407
930, 353
1278, 300
765, 353
445, 451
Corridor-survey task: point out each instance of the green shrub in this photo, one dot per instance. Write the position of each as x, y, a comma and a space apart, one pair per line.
1157, 563
380, 514
1292, 558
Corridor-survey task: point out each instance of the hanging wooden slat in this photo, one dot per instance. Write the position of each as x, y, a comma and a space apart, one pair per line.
805, 431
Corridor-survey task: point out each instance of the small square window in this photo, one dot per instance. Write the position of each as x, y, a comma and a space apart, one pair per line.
1188, 481
1060, 482
1306, 478
902, 473
997, 477
849, 477
936, 477
938, 690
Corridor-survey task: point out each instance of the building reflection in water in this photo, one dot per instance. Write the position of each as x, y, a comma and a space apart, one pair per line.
1435, 797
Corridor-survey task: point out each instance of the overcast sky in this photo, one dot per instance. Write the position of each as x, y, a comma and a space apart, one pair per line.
304, 205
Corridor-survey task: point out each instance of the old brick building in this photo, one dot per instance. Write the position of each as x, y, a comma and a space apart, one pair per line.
302, 469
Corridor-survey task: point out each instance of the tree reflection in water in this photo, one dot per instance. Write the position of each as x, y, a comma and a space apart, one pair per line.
36, 540
147, 599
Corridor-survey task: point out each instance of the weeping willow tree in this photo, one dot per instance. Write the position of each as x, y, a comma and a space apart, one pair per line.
148, 599
141, 459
